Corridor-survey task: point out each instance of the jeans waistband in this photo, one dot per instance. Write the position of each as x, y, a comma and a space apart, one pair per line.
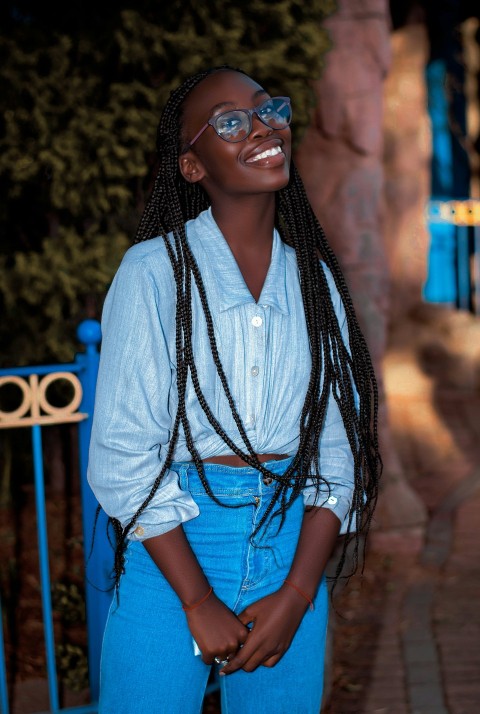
234, 480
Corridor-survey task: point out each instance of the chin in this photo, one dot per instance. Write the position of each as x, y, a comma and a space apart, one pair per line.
280, 183
272, 180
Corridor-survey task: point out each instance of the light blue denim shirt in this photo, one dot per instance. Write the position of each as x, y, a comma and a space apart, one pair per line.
264, 350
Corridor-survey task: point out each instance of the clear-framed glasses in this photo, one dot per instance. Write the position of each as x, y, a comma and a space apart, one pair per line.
235, 125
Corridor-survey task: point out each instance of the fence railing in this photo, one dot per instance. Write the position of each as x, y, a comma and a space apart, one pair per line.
36, 411
454, 257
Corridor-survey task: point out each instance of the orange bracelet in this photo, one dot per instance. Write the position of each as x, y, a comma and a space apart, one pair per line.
295, 587
187, 608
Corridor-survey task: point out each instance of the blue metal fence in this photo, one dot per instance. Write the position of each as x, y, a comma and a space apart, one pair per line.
453, 217
454, 257
36, 411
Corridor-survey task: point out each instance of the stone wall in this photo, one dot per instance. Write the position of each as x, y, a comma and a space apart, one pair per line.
341, 162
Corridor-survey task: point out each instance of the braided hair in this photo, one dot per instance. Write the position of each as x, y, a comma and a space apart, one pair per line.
335, 369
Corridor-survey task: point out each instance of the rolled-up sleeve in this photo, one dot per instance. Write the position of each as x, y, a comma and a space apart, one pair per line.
336, 465
132, 422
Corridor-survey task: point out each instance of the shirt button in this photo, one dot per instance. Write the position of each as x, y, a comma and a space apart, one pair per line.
257, 321
139, 530
267, 480
332, 500
254, 371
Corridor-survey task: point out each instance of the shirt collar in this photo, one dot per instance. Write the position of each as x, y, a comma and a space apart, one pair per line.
227, 283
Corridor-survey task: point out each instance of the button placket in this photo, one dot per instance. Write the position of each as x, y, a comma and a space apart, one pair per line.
256, 356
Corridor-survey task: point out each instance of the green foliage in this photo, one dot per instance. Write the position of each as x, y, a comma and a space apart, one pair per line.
45, 292
81, 102
69, 602
73, 666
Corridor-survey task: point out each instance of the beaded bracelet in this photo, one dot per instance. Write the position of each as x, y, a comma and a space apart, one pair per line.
295, 587
187, 608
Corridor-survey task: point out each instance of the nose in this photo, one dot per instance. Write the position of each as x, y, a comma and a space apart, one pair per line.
259, 128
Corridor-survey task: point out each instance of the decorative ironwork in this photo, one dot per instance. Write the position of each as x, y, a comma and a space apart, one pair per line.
35, 407
459, 213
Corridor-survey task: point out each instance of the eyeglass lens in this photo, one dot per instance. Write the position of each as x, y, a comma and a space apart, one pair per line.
236, 125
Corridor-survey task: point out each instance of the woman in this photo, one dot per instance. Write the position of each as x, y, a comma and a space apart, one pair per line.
234, 432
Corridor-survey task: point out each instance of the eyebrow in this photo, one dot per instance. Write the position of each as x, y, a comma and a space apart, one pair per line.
220, 105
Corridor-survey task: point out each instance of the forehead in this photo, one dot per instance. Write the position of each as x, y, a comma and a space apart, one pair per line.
224, 86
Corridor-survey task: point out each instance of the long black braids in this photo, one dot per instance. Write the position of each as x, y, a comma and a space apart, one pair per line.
336, 369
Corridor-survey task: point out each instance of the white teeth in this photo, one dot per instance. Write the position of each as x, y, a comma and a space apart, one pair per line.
265, 154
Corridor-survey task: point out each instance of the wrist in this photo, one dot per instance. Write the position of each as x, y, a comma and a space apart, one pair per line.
188, 606
301, 593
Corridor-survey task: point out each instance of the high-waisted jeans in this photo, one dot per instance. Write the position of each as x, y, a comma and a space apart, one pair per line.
148, 660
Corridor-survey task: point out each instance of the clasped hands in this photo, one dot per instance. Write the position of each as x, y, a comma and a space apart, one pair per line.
260, 635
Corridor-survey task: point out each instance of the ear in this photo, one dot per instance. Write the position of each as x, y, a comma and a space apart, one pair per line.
191, 167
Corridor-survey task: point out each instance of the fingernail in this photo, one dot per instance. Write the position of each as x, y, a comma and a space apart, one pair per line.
221, 674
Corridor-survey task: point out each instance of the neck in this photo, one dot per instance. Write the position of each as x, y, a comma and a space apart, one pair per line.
247, 224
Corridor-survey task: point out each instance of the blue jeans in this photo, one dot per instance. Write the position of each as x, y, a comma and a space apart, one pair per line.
148, 660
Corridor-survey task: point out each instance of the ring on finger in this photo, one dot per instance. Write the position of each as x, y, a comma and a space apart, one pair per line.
221, 662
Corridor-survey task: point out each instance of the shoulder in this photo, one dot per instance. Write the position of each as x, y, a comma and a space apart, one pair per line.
146, 261
144, 276
291, 258
152, 252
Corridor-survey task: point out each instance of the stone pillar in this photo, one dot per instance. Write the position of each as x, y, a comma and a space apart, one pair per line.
407, 156
340, 160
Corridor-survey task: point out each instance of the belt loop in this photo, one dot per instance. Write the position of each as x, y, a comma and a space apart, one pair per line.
183, 475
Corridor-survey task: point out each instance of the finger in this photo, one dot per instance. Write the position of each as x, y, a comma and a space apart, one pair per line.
246, 616
257, 659
239, 658
254, 653
241, 641
249, 657
272, 661
245, 636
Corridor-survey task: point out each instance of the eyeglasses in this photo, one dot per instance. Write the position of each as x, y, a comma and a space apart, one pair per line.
236, 124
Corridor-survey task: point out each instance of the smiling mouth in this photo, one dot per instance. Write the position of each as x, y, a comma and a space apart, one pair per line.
265, 154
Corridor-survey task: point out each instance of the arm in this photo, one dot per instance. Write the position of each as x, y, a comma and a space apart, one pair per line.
277, 617
336, 463
215, 628
130, 435
320, 528
132, 417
